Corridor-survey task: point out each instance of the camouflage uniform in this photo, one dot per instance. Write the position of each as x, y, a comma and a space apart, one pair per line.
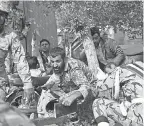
12, 43
15, 20
76, 77
127, 109
10, 116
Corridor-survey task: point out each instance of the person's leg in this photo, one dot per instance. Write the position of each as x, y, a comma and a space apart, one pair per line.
108, 112
105, 87
100, 111
133, 88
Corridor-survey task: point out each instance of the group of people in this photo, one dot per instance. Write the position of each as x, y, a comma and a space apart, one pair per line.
118, 95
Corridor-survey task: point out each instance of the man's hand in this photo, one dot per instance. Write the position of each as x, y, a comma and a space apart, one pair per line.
68, 100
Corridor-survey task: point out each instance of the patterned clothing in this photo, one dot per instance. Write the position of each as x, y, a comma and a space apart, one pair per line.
127, 78
16, 20
107, 52
11, 43
76, 77
110, 52
44, 62
127, 109
10, 116
113, 110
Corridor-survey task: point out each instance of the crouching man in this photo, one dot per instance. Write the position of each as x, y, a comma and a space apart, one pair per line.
121, 97
70, 80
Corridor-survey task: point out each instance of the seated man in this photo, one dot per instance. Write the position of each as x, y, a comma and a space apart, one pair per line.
71, 80
121, 96
106, 48
43, 57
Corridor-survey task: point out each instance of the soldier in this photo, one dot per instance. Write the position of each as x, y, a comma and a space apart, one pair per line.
124, 104
12, 43
10, 116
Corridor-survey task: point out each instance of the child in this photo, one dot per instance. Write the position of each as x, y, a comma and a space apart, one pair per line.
33, 66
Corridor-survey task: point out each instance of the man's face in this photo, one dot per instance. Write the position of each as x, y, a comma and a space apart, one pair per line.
57, 64
96, 39
105, 36
44, 46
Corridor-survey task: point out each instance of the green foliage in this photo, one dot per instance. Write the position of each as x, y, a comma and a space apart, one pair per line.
120, 14
127, 15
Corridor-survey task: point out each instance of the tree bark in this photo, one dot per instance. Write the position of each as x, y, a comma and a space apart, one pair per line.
91, 54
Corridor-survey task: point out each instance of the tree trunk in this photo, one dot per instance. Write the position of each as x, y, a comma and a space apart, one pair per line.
91, 55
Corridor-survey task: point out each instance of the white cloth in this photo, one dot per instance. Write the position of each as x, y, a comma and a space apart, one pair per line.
101, 75
44, 99
35, 72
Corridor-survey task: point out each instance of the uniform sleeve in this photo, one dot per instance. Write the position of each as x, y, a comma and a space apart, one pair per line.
8, 63
81, 81
20, 61
41, 65
118, 52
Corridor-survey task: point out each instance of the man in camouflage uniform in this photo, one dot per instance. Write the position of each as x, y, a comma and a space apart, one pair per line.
15, 23
10, 116
121, 97
70, 81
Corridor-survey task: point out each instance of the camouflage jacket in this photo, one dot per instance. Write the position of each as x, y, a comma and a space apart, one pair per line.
130, 82
15, 20
76, 76
10, 43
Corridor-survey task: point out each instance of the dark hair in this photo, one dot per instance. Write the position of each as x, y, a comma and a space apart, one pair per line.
32, 62
44, 40
94, 30
109, 65
56, 51
79, 28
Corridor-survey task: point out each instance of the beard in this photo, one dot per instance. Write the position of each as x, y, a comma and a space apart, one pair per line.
59, 70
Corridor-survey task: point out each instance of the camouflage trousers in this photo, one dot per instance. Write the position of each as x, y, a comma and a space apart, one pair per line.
3, 84
112, 110
131, 89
